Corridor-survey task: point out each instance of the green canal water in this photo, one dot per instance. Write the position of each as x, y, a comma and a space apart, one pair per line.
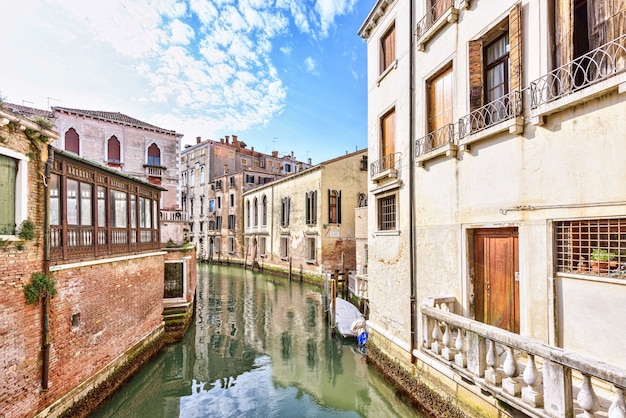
259, 347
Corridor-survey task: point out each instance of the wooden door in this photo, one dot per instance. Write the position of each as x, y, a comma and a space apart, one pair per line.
495, 286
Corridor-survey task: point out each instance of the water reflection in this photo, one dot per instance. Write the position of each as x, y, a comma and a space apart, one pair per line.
259, 348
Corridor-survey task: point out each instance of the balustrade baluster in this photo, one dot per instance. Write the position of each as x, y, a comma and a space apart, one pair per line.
531, 394
587, 398
511, 385
618, 407
492, 375
435, 346
448, 351
460, 359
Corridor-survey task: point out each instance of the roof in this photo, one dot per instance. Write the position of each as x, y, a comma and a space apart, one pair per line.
115, 117
372, 18
27, 111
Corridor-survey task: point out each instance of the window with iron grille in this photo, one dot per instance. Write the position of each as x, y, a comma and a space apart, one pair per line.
595, 247
387, 213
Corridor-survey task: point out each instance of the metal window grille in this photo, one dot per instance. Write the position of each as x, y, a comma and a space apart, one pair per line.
591, 246
387, 213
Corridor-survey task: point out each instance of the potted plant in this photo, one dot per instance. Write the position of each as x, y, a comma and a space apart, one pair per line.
601, 260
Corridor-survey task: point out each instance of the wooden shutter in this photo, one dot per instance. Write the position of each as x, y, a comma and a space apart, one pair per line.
307, 202
515, 48
563, 25
339, 207
388, 145
72, 141
314, 207
606, 21
476, 74
8, 171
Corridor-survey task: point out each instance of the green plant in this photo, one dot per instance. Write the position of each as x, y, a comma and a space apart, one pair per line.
43, 122
27, 230
4, 243
599, 254
20, 246
40, 284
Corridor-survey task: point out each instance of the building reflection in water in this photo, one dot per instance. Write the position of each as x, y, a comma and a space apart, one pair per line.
260, 347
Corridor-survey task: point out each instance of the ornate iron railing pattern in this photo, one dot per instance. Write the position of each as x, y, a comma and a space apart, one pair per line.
505, 108
388, 162
432, 15
532, 385
593, 67
435, 139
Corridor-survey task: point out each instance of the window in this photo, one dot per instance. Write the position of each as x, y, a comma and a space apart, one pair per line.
284, 246
249, 179
117, 207
218, 223
231, 222
113, 150
192, 178
270, 163
211, 205
288, 168
262, 246
232, 200
13, 190
219, 202
440, 100
218, 186
202, 175
248, 214
594, 247
255, 208
72, 141
388, 48
388, 140
231, 154
285, 203
191, 208
264, 211
311, 207
310, 250
184, 178
231, 181
231, 244
201, 226
211, 225
334, 207
244, 161
201, 205
154, 155
387, 213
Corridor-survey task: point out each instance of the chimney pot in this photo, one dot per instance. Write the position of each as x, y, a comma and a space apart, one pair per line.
227, 138
198, 139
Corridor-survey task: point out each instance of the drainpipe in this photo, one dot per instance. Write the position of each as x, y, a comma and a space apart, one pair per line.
45, 326
414, 309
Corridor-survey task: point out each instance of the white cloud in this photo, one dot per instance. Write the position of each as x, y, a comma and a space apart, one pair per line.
310, 64
188, 64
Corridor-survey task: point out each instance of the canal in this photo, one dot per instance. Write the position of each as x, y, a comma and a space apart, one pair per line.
259, 347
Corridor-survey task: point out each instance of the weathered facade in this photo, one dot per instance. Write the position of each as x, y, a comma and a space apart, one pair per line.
516, 113
205, 166
134, 147
305, 222
95, 233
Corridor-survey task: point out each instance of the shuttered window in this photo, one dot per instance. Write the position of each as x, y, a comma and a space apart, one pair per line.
311, 207
388, 48
72, 141
388, 133
334, 207
440, 100
8, 171
113, 150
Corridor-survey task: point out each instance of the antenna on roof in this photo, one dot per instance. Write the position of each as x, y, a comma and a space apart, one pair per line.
52, 98
26, 101
274, 142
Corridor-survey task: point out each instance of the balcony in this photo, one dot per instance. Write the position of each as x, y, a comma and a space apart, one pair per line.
386, 167
535, 378
174, 216
439, 142
579, 80
441, 13
154, 171
500, 115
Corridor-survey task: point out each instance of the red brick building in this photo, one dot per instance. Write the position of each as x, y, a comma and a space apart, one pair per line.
97, 235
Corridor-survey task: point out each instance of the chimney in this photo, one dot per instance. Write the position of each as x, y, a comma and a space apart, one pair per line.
234, 138
275, 154
225, 168
222, 140
198, 139
309, 161
227, 138
252, 149
292, 155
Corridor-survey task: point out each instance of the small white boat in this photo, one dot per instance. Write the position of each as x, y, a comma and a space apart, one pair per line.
348, 320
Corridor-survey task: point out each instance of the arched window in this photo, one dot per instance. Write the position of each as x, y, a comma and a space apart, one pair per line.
154, 155
264, 211
248, 213
256, 211
72, 142
113, 150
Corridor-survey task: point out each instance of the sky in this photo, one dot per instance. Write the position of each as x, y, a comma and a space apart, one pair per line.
284, 75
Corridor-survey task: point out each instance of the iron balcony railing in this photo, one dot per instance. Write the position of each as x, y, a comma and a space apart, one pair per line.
432, 15
505, 108
388, 162
435, 139
593, 67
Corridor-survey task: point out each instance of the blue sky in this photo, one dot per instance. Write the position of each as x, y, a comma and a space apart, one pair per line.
285, 75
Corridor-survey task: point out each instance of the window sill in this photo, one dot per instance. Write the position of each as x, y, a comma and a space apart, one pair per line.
310, 261
387, 70
448, 150
538, 114
392, 233
284, 258
450, 16
514, 126
389, 186
591, 278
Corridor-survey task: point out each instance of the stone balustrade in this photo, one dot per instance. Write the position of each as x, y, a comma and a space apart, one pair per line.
537, 379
